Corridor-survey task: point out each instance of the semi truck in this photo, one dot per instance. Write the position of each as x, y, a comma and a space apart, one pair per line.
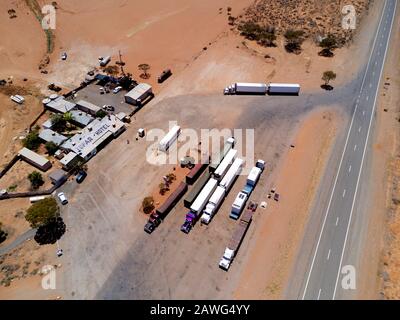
238, 205
246, 88
157, 216
198, 205
284, 88
236, 240
225, 164
196, 189
253, 177
213, 205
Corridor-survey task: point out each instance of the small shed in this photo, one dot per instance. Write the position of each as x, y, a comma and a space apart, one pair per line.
57, 177
70, 160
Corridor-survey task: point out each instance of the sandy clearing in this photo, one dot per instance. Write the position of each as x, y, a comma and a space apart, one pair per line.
280, 226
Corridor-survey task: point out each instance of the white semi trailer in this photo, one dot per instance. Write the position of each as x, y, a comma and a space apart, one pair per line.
246, 88
223, 167
169, 138
213, 205
284, 88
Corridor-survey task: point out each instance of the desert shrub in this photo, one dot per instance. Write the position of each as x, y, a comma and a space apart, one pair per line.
148, 205
36, 179
51, 147
328, 44
3, 234
101, 114
294, 40
42, 212
32, 140
264, 35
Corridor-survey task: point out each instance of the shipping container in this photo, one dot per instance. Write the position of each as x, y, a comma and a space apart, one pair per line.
169, 138
171, 201
196, 189
197, 170
203, 197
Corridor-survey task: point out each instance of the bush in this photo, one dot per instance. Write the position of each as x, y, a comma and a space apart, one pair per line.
294, 39
148, 205
264, 36
58, 121
51, 147
32, 140
328, 44
101, 114
50, 232
36, 179
42, 212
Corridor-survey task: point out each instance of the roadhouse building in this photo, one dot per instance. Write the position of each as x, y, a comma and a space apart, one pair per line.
93, 137
87, 107
60, 105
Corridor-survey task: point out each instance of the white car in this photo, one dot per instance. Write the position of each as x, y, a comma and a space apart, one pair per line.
63, 198
117, 89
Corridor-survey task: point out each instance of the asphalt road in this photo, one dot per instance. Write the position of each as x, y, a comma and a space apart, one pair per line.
327, 268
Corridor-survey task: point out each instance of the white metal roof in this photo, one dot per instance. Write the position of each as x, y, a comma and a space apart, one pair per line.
291, 85
204, 195
33, 156
216, 196
240, 199
232, 172
171, 135
228, 159
138, 91
254, 173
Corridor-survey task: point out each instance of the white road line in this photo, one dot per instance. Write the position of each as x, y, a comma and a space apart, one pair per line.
337, 220
341, 160
367, 98
329, 254
319, 294
359, 129
365, 149
370, 85
344, 193
355, 147
363, 112
376, 62
349, 169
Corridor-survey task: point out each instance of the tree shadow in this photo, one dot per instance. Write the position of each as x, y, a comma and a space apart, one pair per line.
327, 87
51, 232
326, 53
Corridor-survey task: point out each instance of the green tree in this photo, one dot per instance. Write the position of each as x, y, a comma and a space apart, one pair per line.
32, 140
51, 147
42, 212
328, 76
328, 44
294, 40
148, 205
68, 117
58, 121
36, 179
101, 114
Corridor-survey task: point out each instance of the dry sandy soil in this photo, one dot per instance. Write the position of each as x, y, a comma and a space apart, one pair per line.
109, 256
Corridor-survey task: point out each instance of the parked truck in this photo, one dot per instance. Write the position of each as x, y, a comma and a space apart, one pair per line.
225, 164
216, 160
198, 205
284, 88
156, 217
201, 182
253, 177
213, 205
238, 205
246, 88
232, 174
236, 240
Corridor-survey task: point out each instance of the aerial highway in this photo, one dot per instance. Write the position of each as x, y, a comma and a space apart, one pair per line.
323, 270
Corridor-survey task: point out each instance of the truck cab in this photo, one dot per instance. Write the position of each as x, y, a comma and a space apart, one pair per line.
206, 216
260, 164
226, 259
189, 222
149, 227
155, 218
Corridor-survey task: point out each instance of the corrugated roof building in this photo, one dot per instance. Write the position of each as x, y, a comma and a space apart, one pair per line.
49, 135
35, 159
87, 107
60, 105
81, 118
